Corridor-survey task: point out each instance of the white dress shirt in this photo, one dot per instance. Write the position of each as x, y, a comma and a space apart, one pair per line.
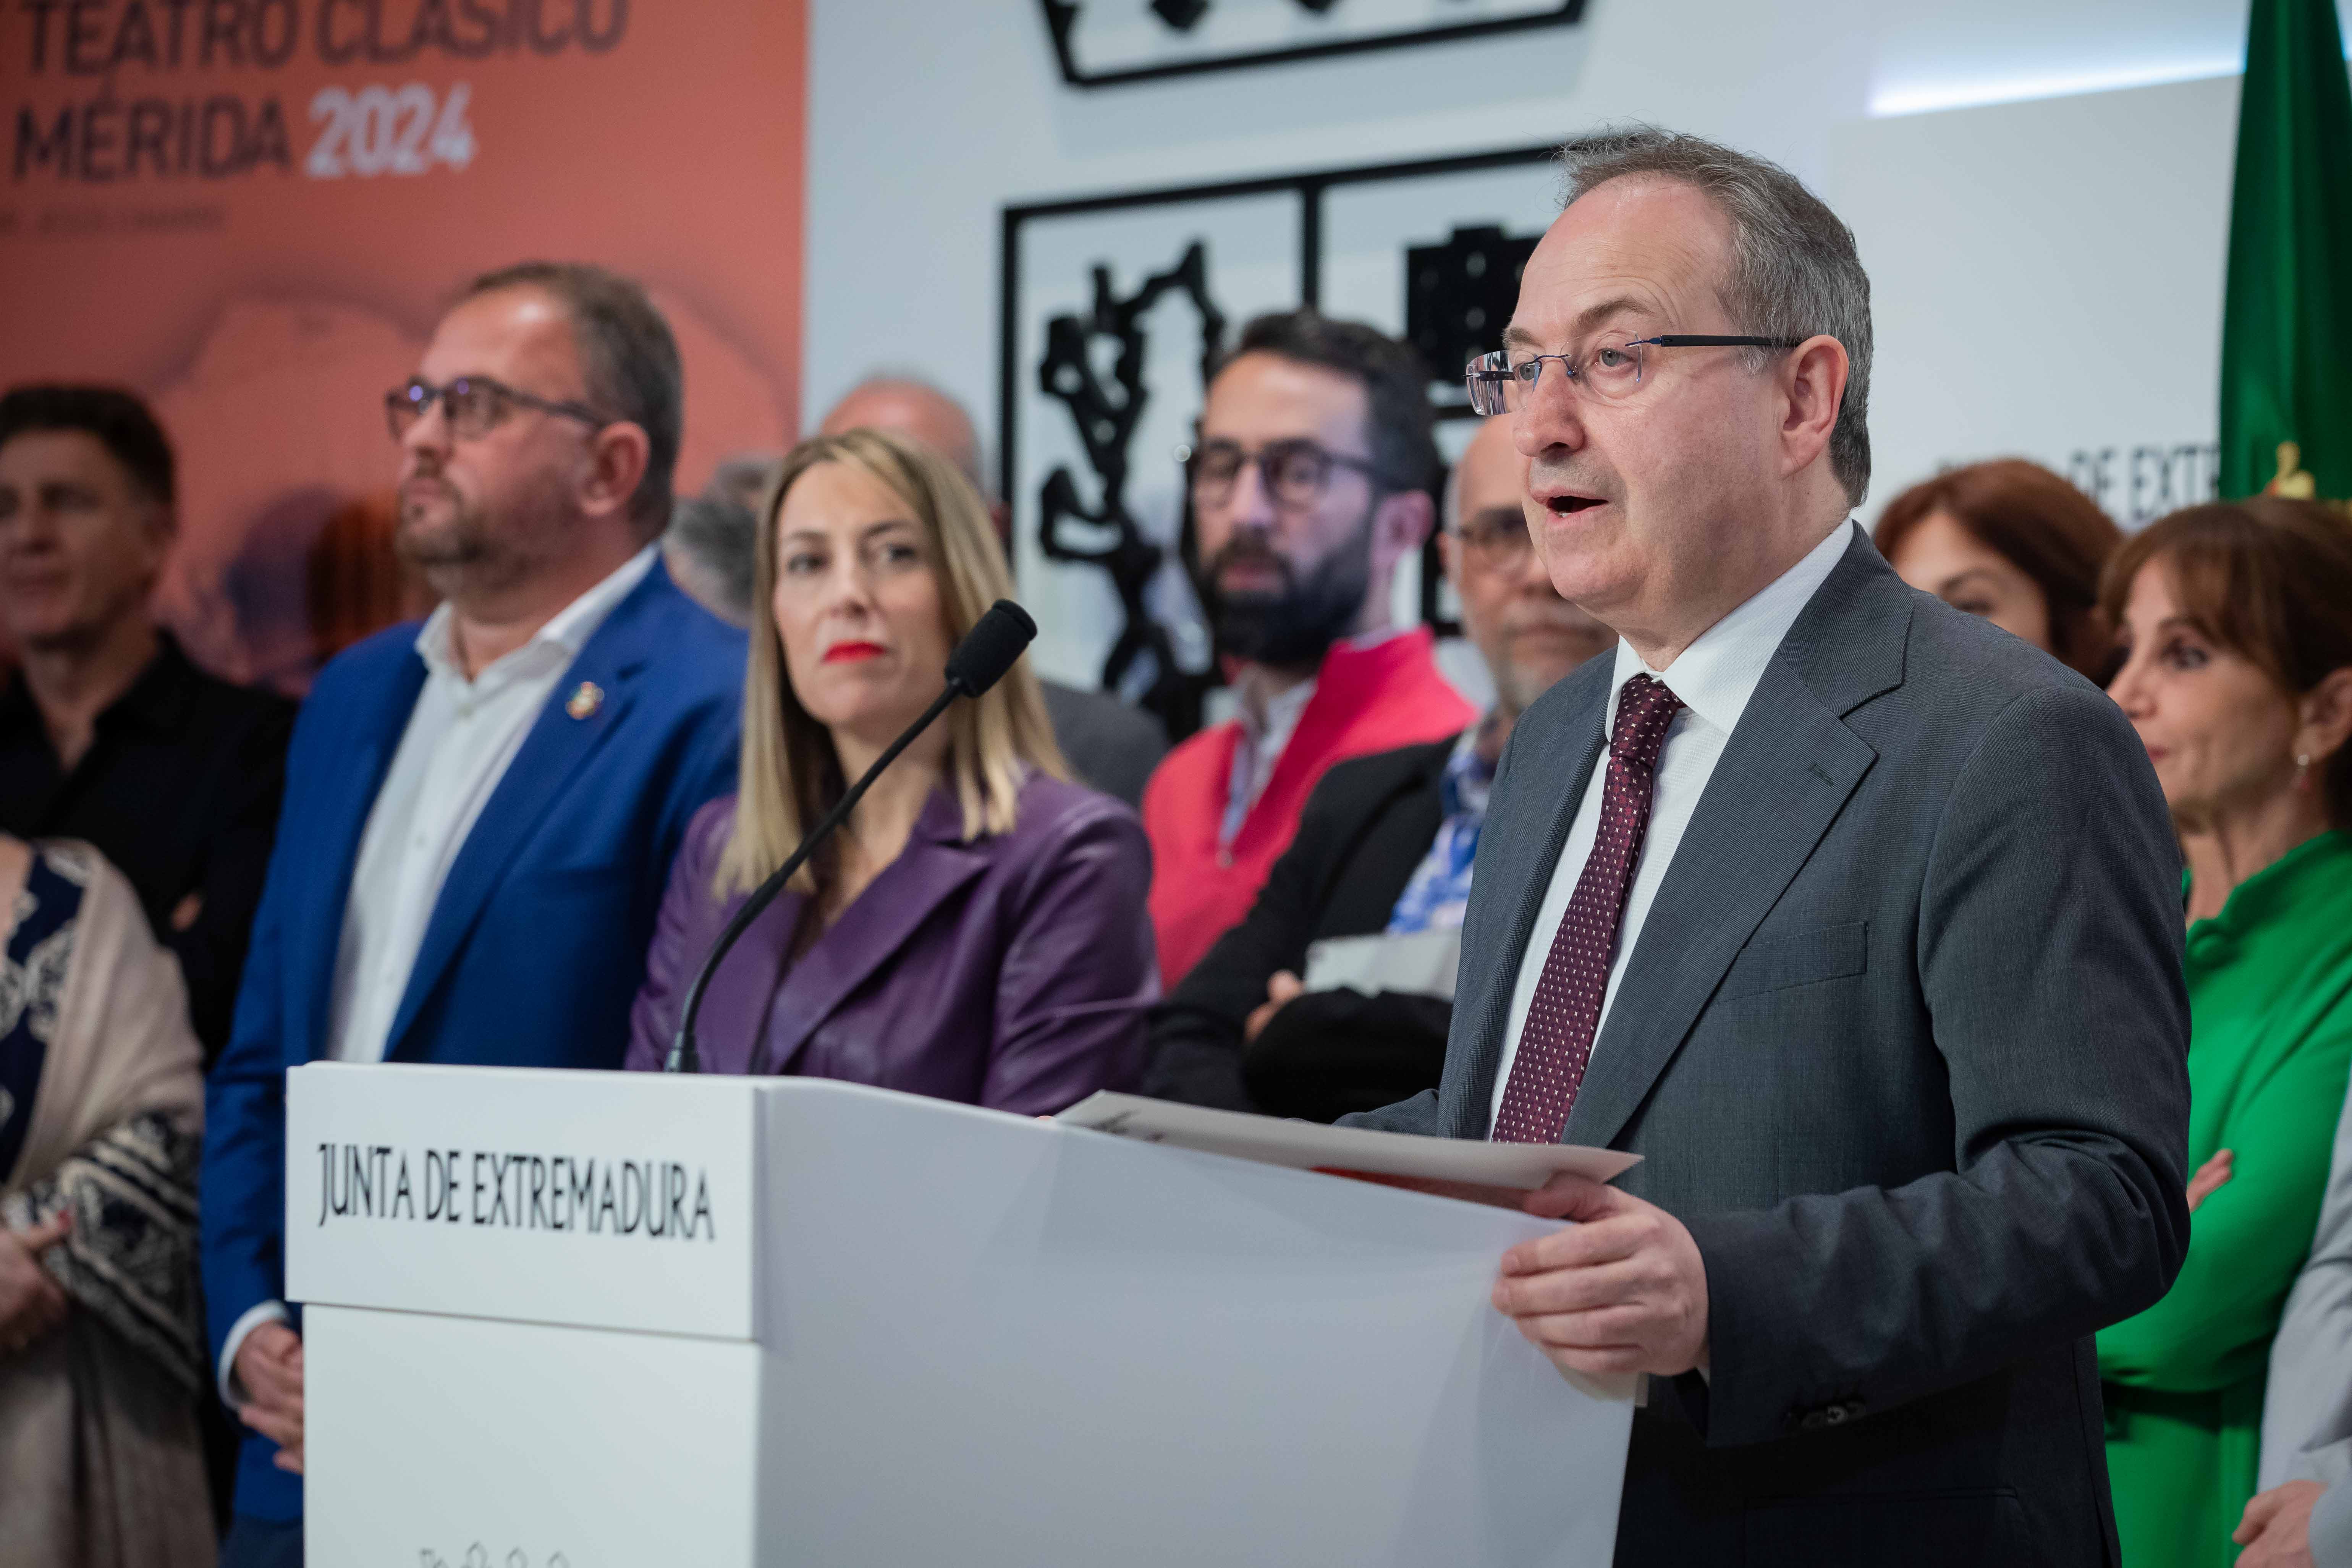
1714, 676
1264, 738
461, 738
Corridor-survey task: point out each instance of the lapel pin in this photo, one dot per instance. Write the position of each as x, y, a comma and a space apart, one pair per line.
586, 698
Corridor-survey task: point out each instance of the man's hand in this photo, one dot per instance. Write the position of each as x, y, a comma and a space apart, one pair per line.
269, 1368
31, 1302
2276, 1529
1281, 988
2210, 1175
1623, 1291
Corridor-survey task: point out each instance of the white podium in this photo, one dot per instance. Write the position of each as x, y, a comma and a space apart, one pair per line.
560, 1319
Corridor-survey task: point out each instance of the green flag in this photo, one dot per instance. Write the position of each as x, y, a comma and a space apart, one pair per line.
2286, 324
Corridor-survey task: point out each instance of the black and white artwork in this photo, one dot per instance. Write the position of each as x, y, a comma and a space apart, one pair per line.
1105, 398
1116, 308
1102, 43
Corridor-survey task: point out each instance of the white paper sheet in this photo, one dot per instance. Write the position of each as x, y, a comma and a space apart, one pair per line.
1421, 964
1310, 1145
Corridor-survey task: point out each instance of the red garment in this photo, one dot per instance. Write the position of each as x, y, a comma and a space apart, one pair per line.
1366, 700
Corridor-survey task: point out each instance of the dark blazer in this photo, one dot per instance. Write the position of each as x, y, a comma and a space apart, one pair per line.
1010, 971
179, 790
1110, 744
536, 944
1902, 1042
1368, 825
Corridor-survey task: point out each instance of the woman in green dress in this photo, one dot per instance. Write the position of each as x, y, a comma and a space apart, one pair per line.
2236, 621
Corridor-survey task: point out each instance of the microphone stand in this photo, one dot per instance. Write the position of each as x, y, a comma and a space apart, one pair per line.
683, 1055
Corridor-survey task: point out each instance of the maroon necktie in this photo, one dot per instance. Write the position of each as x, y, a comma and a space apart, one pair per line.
1558, 1039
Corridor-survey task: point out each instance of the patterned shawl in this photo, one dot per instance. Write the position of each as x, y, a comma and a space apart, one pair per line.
101, 1103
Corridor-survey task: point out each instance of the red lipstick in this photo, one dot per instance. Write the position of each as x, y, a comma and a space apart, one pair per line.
842, 652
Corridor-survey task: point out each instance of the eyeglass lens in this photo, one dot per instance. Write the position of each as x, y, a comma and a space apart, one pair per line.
471, 405
1608, 368
1500, 542
1294, 472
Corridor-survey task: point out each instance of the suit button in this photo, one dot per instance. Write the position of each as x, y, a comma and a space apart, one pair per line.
1828, 1415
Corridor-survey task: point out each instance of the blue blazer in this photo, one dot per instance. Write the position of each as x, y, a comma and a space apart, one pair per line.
538, 942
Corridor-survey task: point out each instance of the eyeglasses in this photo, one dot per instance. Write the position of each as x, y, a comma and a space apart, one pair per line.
1609, 370
1294, 472
1497, 540
474, 404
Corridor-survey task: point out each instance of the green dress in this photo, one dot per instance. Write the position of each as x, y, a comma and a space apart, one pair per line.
2270, 1003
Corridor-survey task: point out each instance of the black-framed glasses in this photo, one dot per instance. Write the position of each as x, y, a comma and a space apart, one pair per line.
1294, 472
1496, 539
473, 404
1609, 368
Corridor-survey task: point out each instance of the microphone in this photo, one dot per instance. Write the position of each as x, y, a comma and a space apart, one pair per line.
979, 662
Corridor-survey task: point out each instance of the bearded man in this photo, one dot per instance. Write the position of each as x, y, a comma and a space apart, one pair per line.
1335, 995
1309, 483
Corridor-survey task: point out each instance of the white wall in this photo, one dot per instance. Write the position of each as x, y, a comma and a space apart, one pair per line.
2085, 232
926, 117
2046, 282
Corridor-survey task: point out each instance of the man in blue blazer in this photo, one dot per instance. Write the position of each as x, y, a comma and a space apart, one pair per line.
480, 813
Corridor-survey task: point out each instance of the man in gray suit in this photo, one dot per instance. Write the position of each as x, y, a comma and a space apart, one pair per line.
1856, 917
2303, 1518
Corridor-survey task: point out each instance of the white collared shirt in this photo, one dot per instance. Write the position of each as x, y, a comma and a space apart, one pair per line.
1714, 676
1263, 742
1261, 746
461, 738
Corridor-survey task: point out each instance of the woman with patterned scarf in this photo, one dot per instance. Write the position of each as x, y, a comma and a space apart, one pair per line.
101, 1116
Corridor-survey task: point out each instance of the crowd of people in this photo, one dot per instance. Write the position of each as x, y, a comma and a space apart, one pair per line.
2029, 845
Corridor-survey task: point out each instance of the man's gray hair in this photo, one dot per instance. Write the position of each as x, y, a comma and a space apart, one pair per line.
1794, 269
745, 480
720, 535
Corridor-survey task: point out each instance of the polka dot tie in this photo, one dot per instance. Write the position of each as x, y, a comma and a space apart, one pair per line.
1557, 1040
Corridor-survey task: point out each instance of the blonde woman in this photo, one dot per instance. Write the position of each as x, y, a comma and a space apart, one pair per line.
977, 930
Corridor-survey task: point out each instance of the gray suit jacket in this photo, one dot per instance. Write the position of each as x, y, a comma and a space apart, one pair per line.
1903, 1043
1109, 744
2308, 1408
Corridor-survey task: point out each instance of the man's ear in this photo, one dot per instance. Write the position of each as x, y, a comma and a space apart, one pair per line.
159, 531
1399, 525
618, 455
159, 525
2326, 714
1812, 383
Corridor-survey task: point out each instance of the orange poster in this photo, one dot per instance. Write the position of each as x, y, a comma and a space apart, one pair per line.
252, 211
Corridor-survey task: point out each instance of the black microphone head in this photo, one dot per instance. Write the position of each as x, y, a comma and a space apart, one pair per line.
989, 649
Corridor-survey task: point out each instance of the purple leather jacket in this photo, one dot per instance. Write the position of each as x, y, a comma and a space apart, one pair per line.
1011, 971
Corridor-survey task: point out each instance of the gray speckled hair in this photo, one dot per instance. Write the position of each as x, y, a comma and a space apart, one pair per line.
1794, 268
